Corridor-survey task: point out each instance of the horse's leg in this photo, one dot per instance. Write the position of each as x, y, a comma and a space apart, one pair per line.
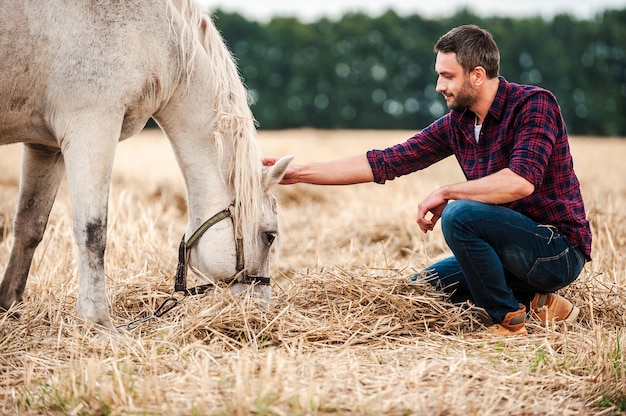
42, 171
88, 154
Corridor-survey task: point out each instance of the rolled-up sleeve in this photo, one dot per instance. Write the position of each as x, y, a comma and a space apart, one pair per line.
418, 152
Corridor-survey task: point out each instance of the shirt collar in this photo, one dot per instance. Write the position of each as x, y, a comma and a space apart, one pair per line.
499, 102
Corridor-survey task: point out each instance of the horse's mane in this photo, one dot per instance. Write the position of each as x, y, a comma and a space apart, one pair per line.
233, 123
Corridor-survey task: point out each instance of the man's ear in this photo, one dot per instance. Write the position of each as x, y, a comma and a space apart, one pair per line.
274, 174
478, 75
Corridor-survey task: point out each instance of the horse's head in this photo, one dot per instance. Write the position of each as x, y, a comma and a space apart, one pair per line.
239, 253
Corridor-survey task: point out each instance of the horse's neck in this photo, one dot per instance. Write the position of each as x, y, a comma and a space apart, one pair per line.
206, 172
212, 129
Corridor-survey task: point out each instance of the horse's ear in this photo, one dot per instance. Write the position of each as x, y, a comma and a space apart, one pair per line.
274, 174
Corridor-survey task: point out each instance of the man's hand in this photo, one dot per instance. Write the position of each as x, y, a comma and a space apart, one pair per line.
434, 203
288, 178
269, 161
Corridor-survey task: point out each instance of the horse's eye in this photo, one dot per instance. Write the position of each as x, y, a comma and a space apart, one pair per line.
270, 236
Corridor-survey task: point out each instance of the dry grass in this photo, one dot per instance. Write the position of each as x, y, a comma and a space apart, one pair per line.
345, 334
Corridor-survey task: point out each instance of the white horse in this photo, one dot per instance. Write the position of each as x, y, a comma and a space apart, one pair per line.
76, 77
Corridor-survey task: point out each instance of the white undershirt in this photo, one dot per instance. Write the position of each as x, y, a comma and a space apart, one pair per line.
477, 128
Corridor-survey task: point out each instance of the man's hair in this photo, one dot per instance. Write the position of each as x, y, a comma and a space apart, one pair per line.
473, 47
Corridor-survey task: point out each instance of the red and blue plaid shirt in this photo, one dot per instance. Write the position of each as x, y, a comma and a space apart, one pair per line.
523, 131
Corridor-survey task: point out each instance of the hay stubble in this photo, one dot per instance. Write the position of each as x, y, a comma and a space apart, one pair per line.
345, 334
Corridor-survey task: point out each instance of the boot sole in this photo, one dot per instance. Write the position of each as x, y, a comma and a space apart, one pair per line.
572, 315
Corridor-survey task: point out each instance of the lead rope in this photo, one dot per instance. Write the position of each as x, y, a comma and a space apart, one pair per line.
180, 284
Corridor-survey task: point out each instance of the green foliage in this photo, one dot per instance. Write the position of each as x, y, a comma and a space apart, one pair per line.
540, 357
617, 402
377, 72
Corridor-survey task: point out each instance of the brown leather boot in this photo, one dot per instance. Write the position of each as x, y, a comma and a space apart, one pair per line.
512, 325
550, 307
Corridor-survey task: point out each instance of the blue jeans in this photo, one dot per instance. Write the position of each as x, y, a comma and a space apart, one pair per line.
501, 258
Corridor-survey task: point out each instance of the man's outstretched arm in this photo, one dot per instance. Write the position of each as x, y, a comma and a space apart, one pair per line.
346, 171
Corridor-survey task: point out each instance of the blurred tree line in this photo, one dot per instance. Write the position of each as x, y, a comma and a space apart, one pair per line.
378, 72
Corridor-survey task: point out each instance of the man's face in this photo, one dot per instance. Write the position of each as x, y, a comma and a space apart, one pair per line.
453, 82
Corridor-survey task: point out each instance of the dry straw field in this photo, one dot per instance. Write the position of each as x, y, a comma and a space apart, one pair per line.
346, 333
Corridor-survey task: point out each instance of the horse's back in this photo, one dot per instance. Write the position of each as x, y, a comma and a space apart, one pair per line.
59, 58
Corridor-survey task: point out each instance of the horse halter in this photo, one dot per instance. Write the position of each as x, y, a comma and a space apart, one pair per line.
184, 251
181, 270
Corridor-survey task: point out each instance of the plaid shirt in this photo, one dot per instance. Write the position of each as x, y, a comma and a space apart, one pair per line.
523, 131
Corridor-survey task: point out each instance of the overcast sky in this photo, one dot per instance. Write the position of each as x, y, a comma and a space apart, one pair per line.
310, 10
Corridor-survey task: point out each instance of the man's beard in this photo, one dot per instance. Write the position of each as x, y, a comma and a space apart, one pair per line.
464, 99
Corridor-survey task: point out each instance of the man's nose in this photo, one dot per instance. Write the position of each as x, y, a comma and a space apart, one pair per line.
439, 87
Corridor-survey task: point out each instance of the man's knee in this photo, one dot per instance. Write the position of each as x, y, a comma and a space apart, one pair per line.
458, 213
